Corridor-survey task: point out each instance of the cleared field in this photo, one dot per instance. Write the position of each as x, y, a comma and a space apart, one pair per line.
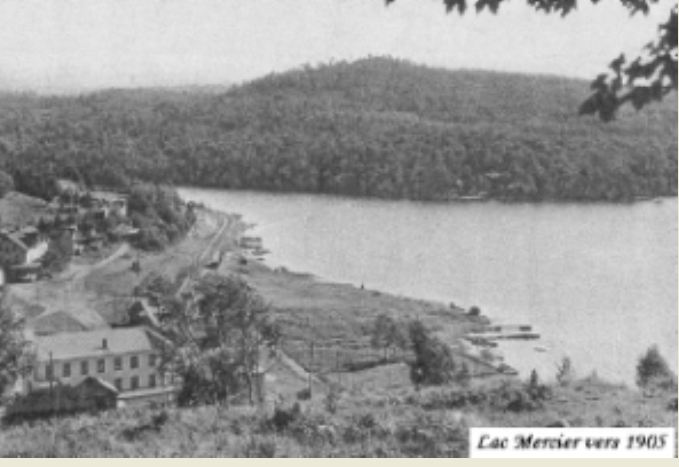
327, 327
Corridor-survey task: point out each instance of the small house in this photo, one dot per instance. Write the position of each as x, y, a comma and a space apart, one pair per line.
21, 251
91, 394
109, 202
66, 187
125, 232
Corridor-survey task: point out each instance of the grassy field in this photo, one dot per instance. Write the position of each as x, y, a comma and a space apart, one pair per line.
361, 422
337, 319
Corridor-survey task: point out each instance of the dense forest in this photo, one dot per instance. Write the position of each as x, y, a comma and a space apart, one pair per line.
375, 127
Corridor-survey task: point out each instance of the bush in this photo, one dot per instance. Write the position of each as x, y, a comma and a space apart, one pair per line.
283, 418
387, 334
432, 436
433, 362
135, 432
304, 394
474, 311
538, 392
652, 370
331, 401
159, 214
259, 448
351, 434
513, 398
367, 421
507, 397
564, 372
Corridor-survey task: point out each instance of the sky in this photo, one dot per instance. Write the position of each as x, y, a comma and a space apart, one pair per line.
76, 45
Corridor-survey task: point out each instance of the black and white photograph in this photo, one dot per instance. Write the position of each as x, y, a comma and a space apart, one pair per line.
338, 228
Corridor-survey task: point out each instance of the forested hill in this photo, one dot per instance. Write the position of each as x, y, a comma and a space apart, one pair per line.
375, 127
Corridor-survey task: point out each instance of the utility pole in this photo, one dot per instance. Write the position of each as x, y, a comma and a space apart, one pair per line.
311, 363
51, 378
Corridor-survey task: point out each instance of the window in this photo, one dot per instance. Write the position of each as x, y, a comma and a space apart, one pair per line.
49, 371
84, 367
134, 382
66, 370
152, 381
134, 361
118, 363
101, 365
152, 360
118, 383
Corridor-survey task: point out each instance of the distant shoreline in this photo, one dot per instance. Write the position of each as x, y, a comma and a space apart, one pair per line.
452, 201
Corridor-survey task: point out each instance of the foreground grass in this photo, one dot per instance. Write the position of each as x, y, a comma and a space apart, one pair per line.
432, 422
241, 432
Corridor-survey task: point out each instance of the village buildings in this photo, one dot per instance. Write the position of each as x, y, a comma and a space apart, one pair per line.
75, 367
109, 202
124, 360
88, 213
21, 251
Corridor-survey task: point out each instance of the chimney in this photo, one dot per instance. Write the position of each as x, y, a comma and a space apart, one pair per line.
104, 344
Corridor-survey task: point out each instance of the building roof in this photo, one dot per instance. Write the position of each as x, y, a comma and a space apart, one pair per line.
19, 236
145, 392
109, 196
64, 184
26, 268
28, 230
123, 229
57, 322
14, 238
93, 380
71, 345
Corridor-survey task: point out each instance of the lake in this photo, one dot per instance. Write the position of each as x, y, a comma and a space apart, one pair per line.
597, 281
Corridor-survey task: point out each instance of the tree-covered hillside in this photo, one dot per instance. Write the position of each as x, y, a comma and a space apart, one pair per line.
375, 127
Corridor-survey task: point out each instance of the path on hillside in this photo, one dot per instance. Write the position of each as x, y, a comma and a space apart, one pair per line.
206, 253
297, 369
84, 271
293, 366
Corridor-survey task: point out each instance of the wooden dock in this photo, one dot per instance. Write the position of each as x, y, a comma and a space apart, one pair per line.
487, 336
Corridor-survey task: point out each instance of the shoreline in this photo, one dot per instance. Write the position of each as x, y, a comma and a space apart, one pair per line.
453, 201
507, 351
381, 393
335, 317
352, 255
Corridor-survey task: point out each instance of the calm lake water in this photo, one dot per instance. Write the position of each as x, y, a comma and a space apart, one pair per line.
598, 281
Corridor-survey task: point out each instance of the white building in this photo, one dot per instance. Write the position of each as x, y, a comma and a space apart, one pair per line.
126, 358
